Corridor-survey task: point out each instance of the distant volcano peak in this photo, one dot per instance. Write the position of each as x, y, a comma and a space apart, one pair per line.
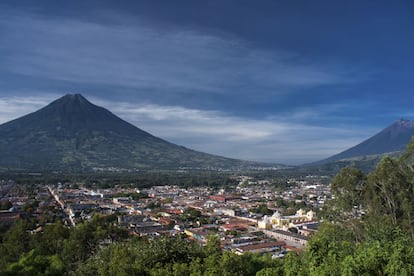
74, 112
74, 96
72, 99
404, 123
394, 138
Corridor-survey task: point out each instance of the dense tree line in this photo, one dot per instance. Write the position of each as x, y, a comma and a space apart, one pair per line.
369, 226
173, 256
144, 179
55, 250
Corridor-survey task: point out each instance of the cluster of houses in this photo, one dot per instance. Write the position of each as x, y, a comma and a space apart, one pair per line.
200, 212
16, 205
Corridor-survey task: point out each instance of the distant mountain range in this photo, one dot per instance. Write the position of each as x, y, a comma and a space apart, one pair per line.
391, 141
72, 134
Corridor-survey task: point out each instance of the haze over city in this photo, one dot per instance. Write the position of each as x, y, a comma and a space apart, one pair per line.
276, 82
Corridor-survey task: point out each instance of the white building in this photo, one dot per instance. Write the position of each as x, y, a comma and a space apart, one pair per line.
277, 221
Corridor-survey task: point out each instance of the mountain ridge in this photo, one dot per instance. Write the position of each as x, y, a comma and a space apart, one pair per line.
391, 140
71, 133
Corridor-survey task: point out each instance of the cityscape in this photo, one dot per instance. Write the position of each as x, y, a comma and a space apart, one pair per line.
252, 216
206, 138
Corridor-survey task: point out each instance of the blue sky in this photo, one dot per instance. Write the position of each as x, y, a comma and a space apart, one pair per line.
275, 81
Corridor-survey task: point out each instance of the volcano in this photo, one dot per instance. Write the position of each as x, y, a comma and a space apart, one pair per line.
392, 139
72, 134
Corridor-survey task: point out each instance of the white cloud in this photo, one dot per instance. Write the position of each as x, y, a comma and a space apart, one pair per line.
252, 139
216, 132
14, 107
144, 57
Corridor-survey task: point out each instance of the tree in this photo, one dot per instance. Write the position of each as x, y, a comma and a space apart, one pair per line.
164, 256
347, 189
32, 263
191, 214
387, 251
51, 240
328, 248
213, 246
262, 209
390, 193
270, 271
293, 264
16, 241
